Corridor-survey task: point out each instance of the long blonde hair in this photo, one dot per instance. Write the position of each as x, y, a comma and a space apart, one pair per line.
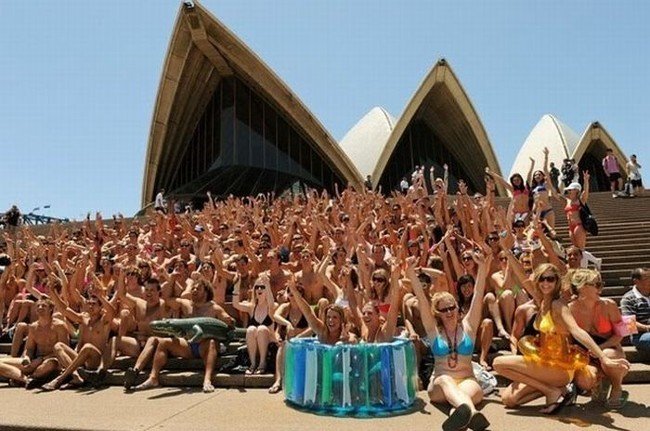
543, 268
577, 278
435, 299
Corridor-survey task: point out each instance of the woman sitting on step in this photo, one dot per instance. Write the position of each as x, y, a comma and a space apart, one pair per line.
602, 319
261, 327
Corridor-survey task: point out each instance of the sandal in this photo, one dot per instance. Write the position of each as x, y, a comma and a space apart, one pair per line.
620, 402
478, 422
600, 392
260, 370
250, 370
554, 408
275, 388
459, 419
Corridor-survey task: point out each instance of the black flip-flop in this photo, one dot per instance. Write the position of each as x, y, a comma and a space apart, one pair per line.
459, 419
478, 422
558, 405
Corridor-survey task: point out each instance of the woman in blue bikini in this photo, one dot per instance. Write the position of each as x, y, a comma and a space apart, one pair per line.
452, 344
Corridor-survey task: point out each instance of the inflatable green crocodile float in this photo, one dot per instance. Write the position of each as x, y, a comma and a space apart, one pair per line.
196, 329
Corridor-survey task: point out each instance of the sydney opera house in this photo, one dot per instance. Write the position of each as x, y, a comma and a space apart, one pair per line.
224, 122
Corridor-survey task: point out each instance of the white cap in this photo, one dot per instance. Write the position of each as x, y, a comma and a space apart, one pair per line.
573, 186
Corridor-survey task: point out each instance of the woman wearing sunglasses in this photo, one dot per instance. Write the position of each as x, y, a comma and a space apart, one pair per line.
333, 330
452, 340
602, 319
548, 372
261, 330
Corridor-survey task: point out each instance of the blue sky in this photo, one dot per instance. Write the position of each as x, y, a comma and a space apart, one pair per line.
79, 78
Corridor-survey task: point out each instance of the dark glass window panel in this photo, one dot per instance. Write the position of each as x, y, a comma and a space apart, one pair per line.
270, 138
294, 148
257, 131
242, 131
283, 145
227, 122
209, 130
305, 156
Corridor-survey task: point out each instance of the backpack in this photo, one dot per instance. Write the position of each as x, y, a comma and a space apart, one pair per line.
588, 220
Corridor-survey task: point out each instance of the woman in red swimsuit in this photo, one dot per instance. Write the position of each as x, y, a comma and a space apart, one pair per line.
600, 317
574, 197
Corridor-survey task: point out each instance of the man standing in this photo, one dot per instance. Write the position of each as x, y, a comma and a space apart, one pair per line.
634, 175
159, 203
404, 185
611, 168
555, 175
636, 302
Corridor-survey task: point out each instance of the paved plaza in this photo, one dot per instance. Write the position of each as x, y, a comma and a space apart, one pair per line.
251, 410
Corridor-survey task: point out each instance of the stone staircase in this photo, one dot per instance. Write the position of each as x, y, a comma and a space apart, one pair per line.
623, 243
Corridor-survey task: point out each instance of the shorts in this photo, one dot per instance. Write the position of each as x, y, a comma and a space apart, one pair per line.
194, 347
636, 183
614, 176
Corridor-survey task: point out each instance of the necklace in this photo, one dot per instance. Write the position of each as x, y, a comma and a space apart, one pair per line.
452, 358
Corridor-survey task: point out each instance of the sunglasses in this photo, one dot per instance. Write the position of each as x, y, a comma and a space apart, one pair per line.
493, 238
503, 259
185, 245
260, 287
549, 278
447, 309
379, 279
467, 258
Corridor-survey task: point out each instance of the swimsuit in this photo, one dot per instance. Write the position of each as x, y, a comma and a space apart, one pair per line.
194, 347
570, 209
440, 347
254, 322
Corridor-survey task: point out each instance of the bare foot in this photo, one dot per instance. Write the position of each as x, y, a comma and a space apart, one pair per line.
207, 387
504, 334
148, 384
275, 388
483, 363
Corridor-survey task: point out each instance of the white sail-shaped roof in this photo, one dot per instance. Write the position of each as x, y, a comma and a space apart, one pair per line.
364, 142
549, 132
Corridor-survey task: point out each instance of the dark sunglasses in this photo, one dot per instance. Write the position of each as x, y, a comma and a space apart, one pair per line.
467, 258
380, 279
447, 309
260, 287
549, 278
493, 238
503, 259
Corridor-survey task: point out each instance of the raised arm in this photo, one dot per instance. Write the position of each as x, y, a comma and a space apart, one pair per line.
395, 296
428, 320
519, 271
475, 313
314, 322
585, 187
499, 179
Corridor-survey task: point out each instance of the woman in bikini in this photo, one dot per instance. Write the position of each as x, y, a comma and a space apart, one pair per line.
486, 330
261, 331
575, 197
541, 191
289, 316
333, 330
601, 318
553, 369
452, 344
519, 191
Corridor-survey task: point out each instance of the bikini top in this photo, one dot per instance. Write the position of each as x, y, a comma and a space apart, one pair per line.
440, 346
266, 322
517, 192
572, 207
603, 325
539, 189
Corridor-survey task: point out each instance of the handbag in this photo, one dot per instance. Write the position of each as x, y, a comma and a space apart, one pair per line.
589, 223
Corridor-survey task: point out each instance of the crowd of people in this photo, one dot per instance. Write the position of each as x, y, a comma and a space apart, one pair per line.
447, 272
